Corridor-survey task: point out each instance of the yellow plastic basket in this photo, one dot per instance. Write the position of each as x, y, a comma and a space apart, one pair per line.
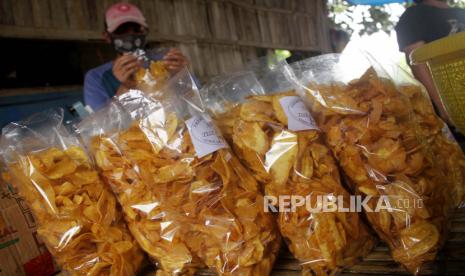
446, 60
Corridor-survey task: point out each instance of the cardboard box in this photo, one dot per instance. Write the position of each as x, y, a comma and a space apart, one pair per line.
21, 251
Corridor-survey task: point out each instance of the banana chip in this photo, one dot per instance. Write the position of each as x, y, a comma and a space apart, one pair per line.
250, 135
389, 143
295, 163
281, 157
187, 212
77, 215
153, 78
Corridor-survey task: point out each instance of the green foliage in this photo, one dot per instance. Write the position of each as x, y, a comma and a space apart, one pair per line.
458, 3
380, 20
282, 54
374, 18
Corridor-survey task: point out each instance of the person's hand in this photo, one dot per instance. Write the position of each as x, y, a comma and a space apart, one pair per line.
124, 68
175, 61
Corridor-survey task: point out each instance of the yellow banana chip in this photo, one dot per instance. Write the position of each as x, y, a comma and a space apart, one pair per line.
278, 109
281, 156
416, 240
251, 136
153, 78
261, 111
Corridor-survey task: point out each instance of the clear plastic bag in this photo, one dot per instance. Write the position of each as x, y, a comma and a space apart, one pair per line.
275, 137
448, 156
378, 130
78, 217
187, 199
153, 75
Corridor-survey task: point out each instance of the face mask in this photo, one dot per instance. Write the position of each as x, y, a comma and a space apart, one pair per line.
128, 43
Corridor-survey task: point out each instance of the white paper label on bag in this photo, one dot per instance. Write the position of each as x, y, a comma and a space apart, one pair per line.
298, 116
204, 136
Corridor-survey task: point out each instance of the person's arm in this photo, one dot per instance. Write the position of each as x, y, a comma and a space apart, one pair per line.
412, 30
94, 91
422, 73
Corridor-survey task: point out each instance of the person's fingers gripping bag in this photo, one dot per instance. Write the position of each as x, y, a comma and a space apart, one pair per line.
196, 205
372, 128
274, 135
78, 218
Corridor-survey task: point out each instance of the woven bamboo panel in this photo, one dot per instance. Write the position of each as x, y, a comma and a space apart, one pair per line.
216, 35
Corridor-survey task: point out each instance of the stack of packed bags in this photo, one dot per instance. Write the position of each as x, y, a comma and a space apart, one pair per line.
184, 197
187, 200
196, 179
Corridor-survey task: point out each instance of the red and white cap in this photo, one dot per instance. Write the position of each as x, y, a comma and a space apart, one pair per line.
121, 13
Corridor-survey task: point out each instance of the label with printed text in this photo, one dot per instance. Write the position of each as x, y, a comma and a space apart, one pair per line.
298, 116
204, 136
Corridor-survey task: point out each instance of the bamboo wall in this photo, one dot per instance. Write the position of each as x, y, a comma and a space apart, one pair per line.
216, 35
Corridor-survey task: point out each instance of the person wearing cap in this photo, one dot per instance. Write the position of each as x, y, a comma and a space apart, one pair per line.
424, 22
126, 29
